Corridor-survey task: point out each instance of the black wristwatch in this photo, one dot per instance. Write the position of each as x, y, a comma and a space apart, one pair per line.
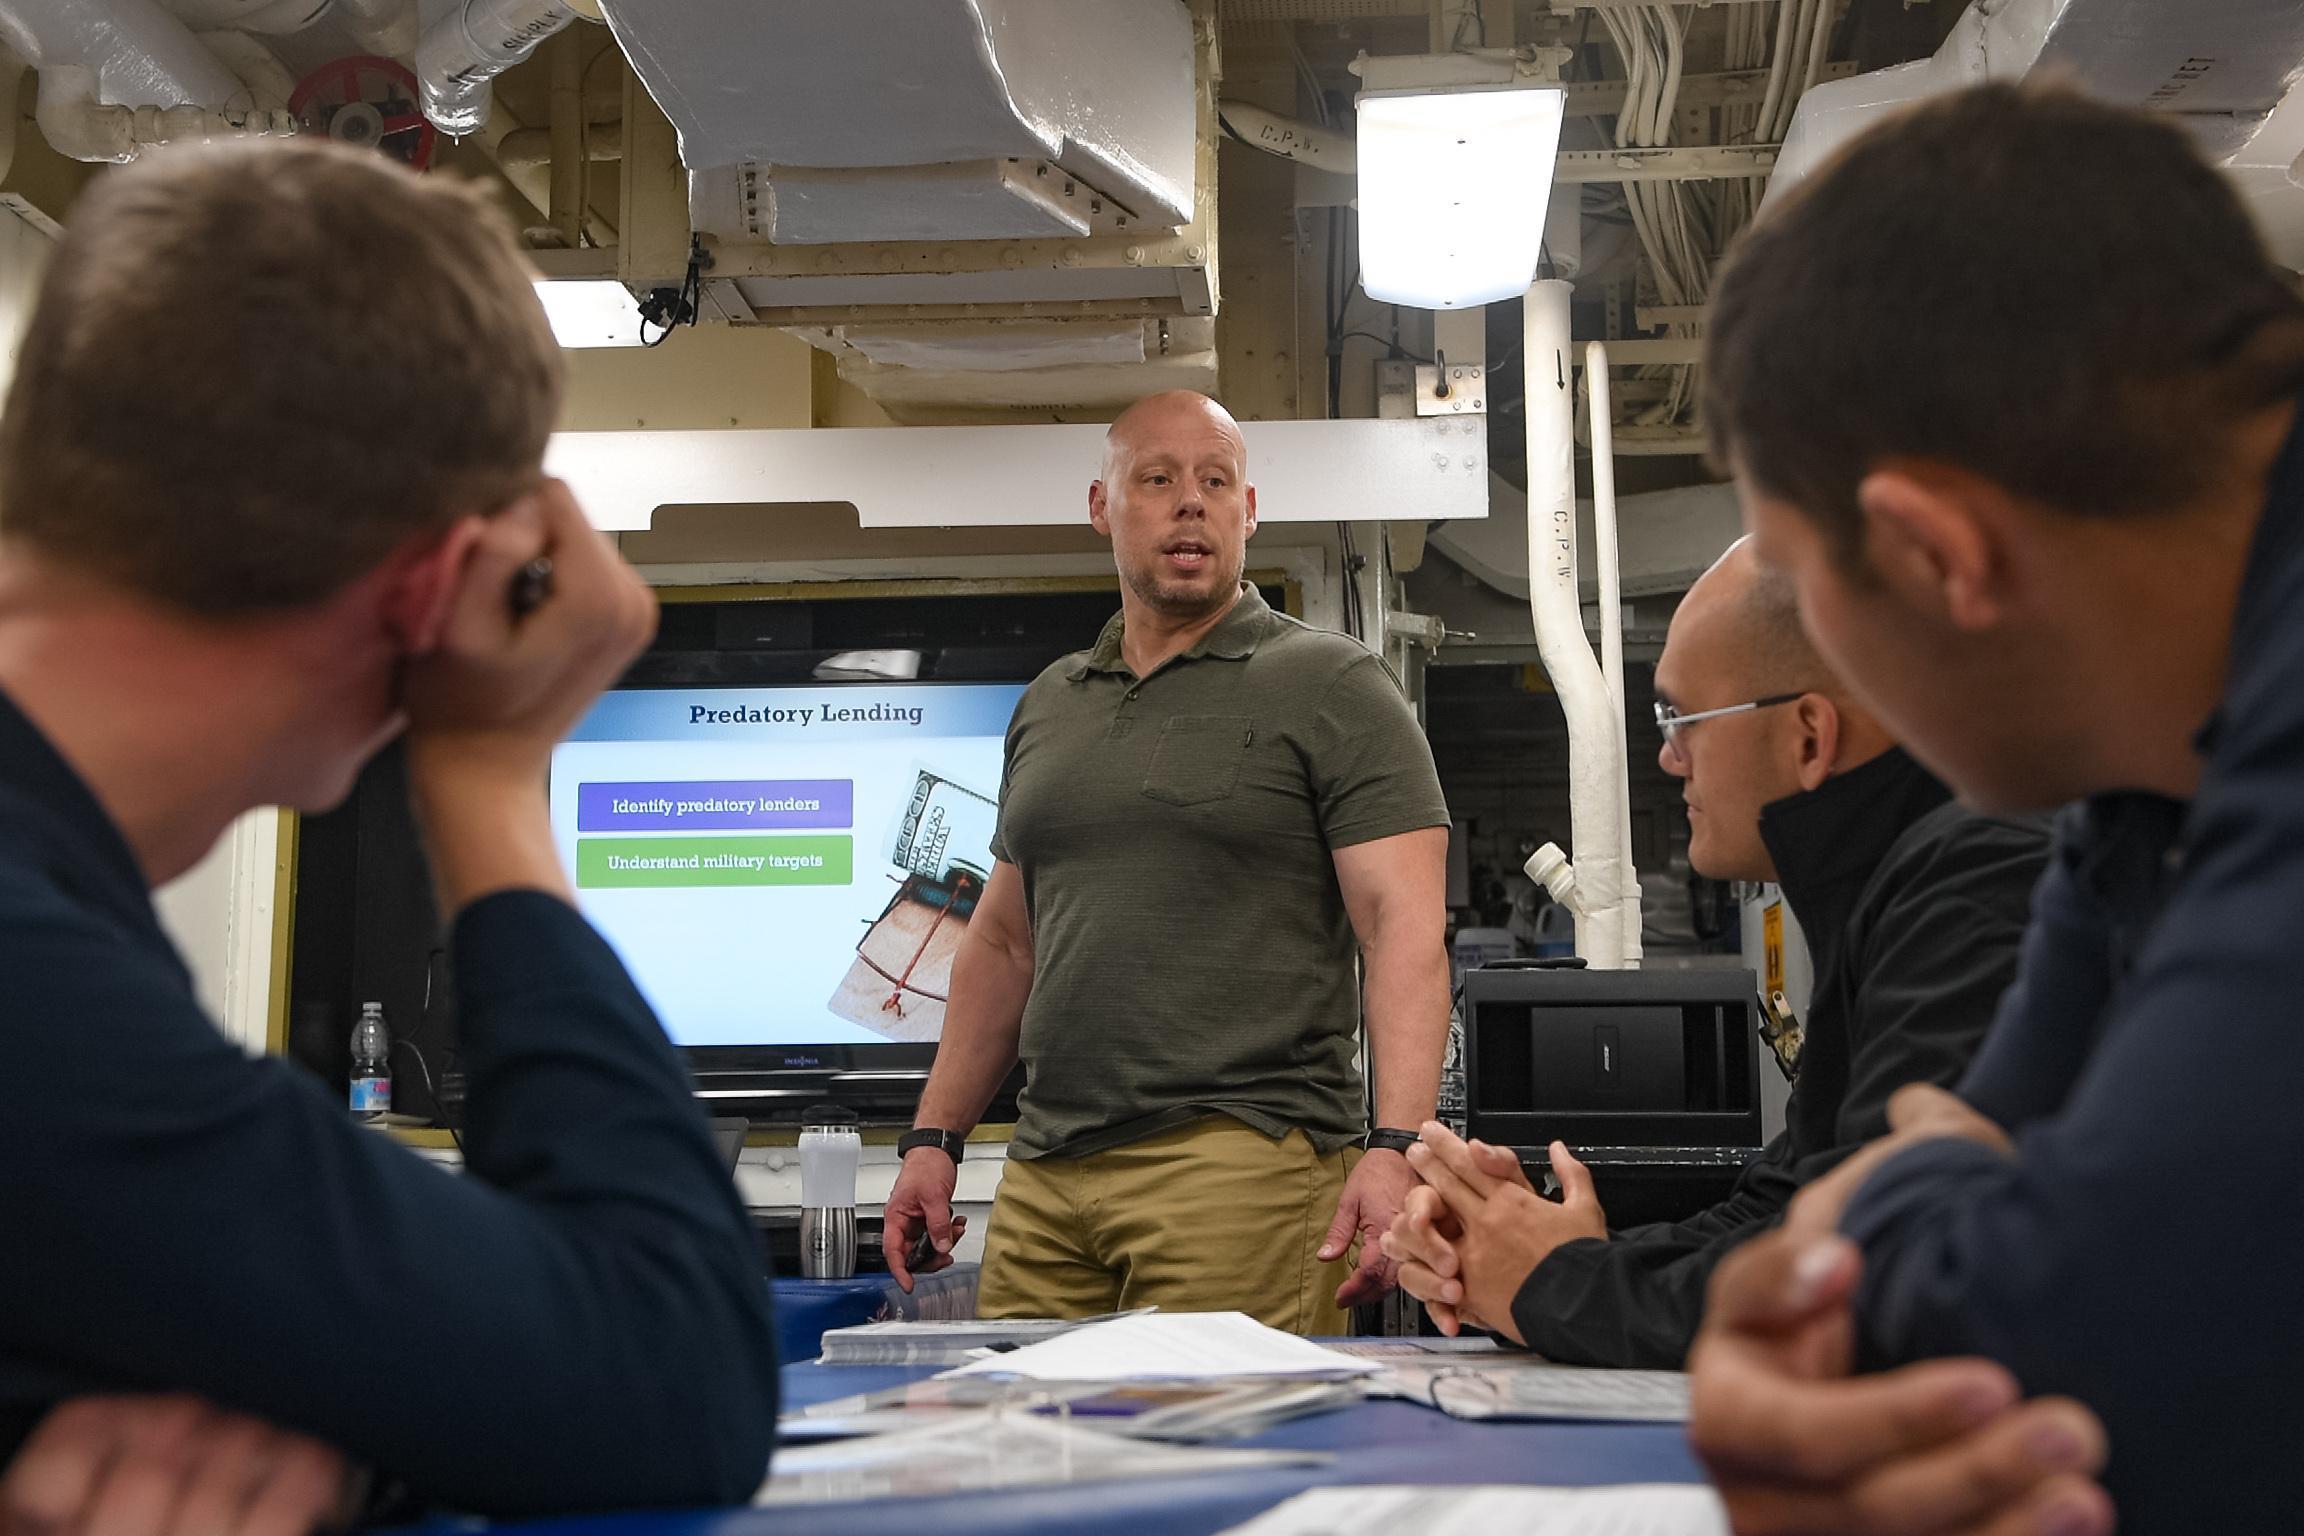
1387, 1139
951, 1143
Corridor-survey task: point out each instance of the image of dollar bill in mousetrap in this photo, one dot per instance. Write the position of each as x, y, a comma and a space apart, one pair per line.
940, 854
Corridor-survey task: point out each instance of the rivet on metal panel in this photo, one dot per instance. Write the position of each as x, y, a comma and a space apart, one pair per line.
1073, 256
1135, 255
1194, 252
947, 257
1439, 461
1475, 373
1011, 257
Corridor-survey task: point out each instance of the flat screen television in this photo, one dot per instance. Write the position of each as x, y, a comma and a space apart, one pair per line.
786, 871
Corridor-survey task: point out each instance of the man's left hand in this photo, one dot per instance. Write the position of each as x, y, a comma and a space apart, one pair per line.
1373, 1196
169, 1466
1503, 1229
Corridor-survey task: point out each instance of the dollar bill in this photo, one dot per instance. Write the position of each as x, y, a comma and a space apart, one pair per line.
945, 825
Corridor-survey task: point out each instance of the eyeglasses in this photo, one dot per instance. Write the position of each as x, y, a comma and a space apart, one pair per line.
1670, 721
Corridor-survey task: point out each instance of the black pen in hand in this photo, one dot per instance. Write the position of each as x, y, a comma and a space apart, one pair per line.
531, 587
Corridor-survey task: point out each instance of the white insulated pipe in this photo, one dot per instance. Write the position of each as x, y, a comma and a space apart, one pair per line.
259, 68
1599, 410
1595, 742
133, 53
470, 46
80, 127
389, 27
1290, 138
121, 75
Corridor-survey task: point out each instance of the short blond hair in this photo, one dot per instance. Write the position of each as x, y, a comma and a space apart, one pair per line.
255, 369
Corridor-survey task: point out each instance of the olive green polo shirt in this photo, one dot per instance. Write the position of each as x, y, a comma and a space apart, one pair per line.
1176, 837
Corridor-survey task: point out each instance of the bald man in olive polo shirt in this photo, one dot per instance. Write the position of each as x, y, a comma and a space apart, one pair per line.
1205, 819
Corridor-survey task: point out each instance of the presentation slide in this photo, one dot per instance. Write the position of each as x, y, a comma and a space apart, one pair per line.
785, 866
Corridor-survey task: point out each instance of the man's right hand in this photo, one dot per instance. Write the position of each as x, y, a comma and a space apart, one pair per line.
498, 689
501, 689
1942, 1448
169, 1466
922, 1198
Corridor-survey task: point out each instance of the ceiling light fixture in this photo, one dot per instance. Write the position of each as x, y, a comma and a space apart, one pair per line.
1456, 155
590, 312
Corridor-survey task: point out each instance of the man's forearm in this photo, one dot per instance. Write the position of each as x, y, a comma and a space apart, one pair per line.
1407, 1030
483, 834
982, 1023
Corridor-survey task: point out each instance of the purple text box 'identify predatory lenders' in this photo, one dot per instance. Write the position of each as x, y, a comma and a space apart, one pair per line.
715, 805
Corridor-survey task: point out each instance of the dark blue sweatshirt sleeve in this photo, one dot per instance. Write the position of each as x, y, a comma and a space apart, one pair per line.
2140, 1248
580, 1322
2048, 1020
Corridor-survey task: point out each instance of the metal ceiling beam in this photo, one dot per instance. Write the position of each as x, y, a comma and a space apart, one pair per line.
1677, 163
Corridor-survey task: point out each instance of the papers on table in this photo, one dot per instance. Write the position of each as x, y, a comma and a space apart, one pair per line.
1171, 1346
1190, 1411
1509, 1386
1639, 1509
1417, 1349
942, 1341
966, 1452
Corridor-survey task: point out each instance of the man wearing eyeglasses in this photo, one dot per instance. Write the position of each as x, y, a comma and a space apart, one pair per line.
1912, 906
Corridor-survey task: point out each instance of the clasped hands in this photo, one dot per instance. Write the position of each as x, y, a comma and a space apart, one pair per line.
1794, 1441
1476, 1229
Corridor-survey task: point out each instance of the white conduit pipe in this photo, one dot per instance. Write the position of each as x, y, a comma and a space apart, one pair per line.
470, 46
1612, 620
1595, 750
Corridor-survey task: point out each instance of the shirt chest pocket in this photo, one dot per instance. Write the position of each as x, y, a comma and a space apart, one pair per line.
1197, 758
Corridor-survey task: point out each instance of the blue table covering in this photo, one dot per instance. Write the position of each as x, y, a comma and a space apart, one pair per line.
1373, 1442
806, 1310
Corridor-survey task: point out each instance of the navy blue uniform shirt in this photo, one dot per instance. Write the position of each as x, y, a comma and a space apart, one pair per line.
2144, 1249
579, 1322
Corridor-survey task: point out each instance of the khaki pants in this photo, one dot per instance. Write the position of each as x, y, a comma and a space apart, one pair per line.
1213, 1216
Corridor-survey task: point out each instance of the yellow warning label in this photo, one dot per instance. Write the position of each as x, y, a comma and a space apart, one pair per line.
1772, 948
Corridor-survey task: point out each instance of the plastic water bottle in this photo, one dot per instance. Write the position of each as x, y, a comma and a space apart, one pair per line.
371, 1063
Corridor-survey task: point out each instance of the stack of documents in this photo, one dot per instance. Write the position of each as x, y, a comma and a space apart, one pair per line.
934, 1341
1172, 1346
1188, 1412
1514, 1386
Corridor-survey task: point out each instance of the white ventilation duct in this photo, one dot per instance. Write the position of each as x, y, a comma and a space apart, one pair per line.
471, 45
2221, 66
826, 121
